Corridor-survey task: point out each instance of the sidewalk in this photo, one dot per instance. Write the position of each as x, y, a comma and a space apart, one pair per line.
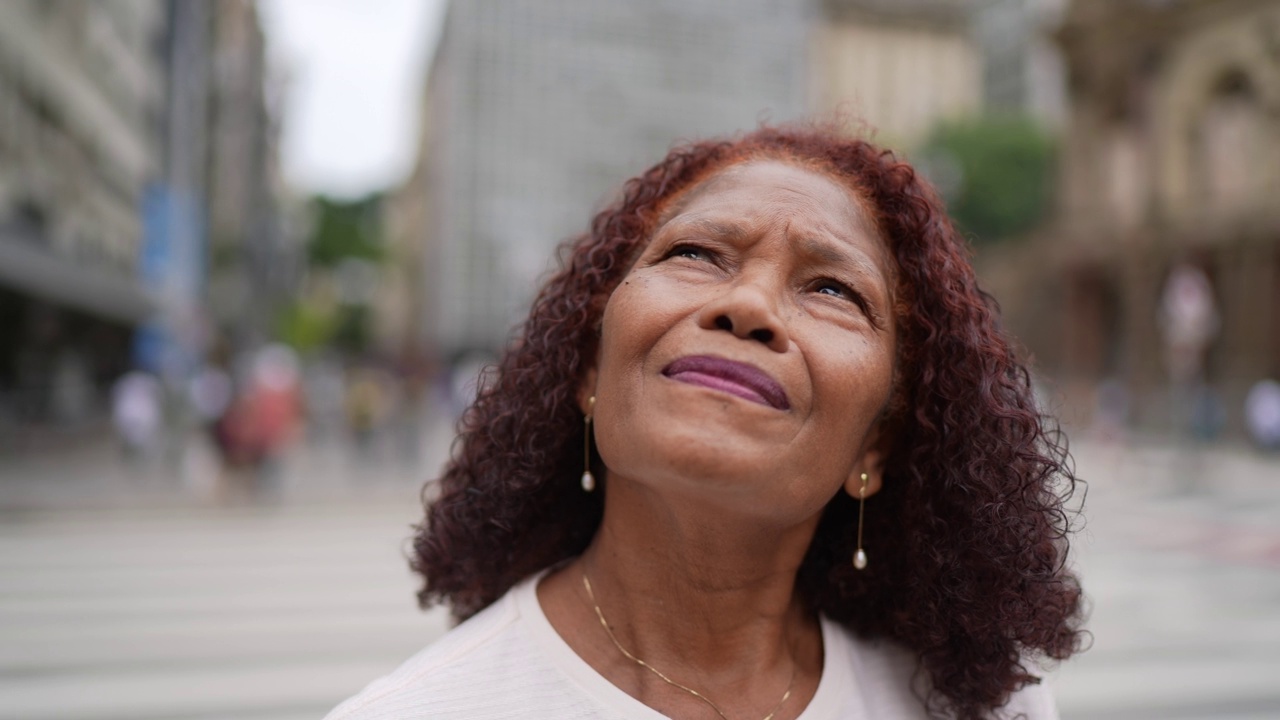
1219, 502
1179, 556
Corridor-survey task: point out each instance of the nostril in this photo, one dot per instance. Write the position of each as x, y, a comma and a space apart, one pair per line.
724, 323
764, 335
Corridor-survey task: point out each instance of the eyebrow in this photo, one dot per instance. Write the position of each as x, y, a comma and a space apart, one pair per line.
833, 253
717, 228
826, 252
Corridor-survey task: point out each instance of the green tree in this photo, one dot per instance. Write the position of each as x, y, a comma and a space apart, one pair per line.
346, 229
304, 327
346, 246
996, 174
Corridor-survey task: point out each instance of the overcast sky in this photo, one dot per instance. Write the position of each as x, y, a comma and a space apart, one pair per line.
354, 74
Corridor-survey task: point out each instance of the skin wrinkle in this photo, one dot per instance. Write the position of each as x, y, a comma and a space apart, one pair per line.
960, 431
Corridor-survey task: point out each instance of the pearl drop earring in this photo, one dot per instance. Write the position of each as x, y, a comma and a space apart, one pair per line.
588, 480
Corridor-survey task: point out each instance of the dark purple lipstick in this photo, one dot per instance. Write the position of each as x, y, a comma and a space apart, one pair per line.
735, 378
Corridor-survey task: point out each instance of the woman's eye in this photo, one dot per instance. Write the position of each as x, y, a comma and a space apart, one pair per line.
689, 251
835, 289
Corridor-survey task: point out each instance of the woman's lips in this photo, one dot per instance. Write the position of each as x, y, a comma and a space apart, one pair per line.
735, 378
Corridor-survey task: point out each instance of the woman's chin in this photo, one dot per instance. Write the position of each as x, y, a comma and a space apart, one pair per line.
715, 450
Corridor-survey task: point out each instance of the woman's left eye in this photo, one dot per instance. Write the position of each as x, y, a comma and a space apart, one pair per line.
692, 252
835, 289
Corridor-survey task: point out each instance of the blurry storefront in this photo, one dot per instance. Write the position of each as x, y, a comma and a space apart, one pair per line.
80, 97
1167, 223
137, 161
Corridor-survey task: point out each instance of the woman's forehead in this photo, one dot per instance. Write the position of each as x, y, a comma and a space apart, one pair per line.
820, 197
781, 171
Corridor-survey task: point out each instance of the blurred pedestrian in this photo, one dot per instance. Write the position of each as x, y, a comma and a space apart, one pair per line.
136, 409
1262, 414
324, 391
210, 394
365, 405
1111, 414
277, 403
260, 424
1189, 320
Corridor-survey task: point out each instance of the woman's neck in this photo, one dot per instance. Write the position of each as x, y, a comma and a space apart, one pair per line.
709, 601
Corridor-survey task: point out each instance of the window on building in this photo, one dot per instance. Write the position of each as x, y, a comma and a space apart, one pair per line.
1232, 145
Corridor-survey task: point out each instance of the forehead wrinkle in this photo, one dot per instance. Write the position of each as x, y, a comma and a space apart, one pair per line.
878, 262
837, 246
717, 228
841, 256
824, 251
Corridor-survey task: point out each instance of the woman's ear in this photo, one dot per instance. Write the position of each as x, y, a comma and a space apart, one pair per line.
587, 388
871, 463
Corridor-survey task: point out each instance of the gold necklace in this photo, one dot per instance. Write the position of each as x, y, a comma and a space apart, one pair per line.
587, 584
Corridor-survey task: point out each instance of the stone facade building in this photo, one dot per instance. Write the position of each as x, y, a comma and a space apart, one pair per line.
1170, 158
899, 66
1023, 70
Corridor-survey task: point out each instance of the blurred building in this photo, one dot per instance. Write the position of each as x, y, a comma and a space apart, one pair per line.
539, 111
1022, 66
82, 97
138, 159
900, 66
255, 247
218, 249
1170, 158
401, 298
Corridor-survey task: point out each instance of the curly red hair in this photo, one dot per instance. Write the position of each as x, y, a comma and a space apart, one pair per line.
970, 529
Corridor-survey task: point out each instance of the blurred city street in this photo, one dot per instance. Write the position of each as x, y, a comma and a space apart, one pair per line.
160, 604
255, 255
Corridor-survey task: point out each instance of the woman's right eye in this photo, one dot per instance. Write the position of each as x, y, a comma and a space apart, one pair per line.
693, 252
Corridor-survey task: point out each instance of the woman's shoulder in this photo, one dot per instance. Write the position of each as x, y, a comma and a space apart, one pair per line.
458, 664
890, 685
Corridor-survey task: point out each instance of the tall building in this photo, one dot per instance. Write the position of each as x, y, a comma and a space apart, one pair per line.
539, 111
401, 299
254, 258
1170, 160
82, 98
137, 152
1023, 70
215, 252
899, 66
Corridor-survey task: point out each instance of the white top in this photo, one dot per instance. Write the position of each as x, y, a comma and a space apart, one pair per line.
509, 662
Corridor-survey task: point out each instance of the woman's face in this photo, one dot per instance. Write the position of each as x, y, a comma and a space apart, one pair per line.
747, 355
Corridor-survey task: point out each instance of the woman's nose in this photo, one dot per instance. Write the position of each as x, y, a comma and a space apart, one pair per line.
747, 310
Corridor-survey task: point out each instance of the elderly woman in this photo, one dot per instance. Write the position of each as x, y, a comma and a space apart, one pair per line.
761, 450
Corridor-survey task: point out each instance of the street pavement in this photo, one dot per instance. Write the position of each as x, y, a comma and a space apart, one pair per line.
245, 613
159, 603
1180, 558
